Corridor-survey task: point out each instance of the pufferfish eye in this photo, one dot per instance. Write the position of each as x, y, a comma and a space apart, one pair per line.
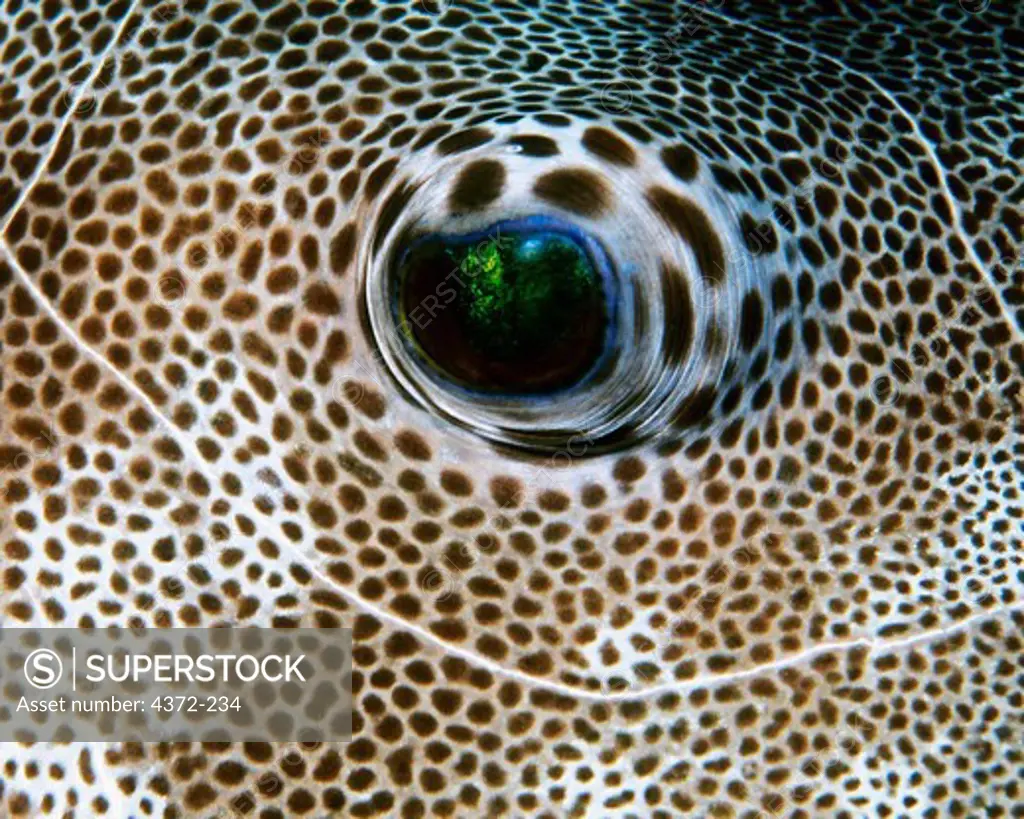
527, 302
519, 308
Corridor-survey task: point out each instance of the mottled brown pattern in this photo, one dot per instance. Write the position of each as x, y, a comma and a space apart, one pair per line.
800, 599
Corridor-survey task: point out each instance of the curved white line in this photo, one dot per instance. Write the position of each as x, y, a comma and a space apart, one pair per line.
83, 92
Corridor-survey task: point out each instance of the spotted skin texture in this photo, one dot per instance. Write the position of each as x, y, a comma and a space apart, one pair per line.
800, 598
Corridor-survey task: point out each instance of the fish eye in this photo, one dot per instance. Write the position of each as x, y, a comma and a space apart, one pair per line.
576, 303
524, 308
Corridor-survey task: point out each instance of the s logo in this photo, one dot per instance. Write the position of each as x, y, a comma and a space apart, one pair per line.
43, 668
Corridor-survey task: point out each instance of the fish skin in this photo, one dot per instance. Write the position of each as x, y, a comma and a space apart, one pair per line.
800, 592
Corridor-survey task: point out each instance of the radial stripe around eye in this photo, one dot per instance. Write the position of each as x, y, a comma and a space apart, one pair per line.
576, 190
608, 146
535, 145
679, 315
392, 209
693, 226
695, 407
343, 249
378, 178
478, 185
462, 141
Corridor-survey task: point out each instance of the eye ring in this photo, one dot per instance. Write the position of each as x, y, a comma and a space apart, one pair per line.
671, 356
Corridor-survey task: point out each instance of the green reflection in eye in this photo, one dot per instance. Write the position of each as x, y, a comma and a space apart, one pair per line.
514, 312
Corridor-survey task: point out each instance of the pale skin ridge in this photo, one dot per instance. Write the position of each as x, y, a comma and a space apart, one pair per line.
480, 661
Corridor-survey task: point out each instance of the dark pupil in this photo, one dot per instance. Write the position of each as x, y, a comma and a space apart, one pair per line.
521, 312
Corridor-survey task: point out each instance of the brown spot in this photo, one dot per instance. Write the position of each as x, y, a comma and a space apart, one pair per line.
349, 185
536, 145
751, 321
629, 469
681, 162
507, 492
72, 419
478, 185
431, 135
322, 514
322, 300
574, 189
462, 141
48, 195
199, 796
118, 165
195, 164
309, 252
412, 445
694, 227
251, 260
282, 279
455, 483
593, 496
162, 187
554, 502
608, 146
92, 233
74, 261
121, 201
366, 443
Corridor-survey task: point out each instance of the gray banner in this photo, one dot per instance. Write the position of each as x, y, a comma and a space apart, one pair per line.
180, 684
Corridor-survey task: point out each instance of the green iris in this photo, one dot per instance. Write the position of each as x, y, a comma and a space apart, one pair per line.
520, 312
